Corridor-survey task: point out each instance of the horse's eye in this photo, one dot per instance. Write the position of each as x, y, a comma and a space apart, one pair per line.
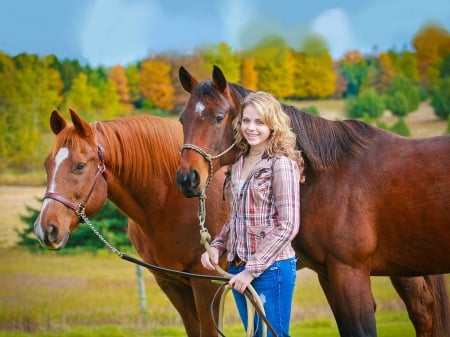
218, 119
80, 167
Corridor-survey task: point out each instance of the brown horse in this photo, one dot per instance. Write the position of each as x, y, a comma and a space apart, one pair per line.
373, 204
140, 155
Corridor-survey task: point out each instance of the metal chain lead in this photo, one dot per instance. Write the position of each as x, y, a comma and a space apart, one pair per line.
85, 219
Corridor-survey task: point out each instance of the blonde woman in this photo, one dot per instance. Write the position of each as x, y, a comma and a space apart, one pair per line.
263, 189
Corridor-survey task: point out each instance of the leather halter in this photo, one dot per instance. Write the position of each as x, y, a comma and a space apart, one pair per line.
79, 208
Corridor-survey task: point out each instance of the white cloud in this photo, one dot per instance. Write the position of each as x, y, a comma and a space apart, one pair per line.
333, 25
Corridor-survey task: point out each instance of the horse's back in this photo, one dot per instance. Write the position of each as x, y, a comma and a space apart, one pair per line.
388, 207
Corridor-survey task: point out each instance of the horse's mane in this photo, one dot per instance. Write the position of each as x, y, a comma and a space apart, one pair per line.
143, 146
139, 147
323, 142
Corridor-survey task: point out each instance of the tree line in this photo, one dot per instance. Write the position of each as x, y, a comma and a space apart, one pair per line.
31, 85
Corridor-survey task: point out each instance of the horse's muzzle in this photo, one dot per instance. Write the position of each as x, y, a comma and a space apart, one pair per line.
189, 183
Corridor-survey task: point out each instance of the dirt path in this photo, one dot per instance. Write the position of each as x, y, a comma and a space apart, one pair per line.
13, 202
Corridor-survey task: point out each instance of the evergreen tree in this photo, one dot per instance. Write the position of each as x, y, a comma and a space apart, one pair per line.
109, 221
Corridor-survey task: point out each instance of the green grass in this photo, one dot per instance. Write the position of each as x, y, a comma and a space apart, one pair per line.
51, 294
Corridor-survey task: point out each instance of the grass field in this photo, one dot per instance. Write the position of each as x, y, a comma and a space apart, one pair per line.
49, 294
53, 294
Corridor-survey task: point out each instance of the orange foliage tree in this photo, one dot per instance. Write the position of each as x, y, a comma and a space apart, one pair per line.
249, 75
432, 44
155, 83
118, 76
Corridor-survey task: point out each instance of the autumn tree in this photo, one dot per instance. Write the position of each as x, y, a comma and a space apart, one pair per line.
355, 69
432, 44
314, 76
82, 97
155, 83
385, 72
118, 76
249, 75
29, 89
405, 63
132, 74
274, 64
222, 56
108, 102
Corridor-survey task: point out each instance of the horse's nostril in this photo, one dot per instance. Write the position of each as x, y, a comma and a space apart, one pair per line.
52, 233
189, 180
194, 178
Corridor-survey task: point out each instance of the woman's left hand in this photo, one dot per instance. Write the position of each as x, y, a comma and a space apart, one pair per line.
240, 281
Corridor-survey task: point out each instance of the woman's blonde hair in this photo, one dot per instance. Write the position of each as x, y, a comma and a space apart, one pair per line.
282, 140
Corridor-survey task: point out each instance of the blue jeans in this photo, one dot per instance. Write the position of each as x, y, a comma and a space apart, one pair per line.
276, 288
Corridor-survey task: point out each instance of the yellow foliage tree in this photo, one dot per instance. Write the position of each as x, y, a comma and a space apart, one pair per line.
222, 56
249, 75
314, 76
274, 64
155, 83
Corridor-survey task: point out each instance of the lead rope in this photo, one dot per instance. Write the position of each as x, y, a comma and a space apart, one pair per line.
255, 300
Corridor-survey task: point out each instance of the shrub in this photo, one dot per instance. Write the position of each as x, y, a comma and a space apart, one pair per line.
401, 128
312, 110
368, 102
397, 104
440, 99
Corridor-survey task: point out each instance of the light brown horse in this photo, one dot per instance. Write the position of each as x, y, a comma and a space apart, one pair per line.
140, 155
373, 204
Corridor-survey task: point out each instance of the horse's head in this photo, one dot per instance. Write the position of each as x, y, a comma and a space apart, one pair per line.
207, 126
76, 184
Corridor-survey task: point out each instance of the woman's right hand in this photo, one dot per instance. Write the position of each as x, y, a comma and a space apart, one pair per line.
209, 263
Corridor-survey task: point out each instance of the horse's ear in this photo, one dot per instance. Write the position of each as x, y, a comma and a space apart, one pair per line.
219, 78
57, 122
82, 127
186, 79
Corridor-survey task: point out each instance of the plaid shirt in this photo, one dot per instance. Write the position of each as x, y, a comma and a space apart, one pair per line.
265, 215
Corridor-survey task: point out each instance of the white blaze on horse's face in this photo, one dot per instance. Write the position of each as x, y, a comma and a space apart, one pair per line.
62, 155
199, 108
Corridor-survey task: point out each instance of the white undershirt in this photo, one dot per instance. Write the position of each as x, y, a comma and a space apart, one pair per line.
240, 184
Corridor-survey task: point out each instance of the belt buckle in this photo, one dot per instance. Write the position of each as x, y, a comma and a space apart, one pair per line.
238, 262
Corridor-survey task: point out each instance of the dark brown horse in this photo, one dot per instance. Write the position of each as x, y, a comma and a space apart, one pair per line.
140, 155
373, 204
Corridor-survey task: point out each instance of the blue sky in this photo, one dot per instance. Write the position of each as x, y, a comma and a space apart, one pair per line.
109, 32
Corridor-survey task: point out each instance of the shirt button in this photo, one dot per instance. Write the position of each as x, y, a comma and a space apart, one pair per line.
263, 234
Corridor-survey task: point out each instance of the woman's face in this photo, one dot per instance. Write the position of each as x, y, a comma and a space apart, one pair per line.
253, 128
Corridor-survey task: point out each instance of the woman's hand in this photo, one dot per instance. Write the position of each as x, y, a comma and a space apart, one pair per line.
240, 281
210, 263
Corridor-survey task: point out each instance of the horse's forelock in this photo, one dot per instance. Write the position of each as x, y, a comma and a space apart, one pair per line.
70, 138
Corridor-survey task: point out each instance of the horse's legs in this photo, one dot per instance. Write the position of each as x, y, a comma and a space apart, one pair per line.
427, 303
204, 292
419, 302
180, 295
350, 297
193, 302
